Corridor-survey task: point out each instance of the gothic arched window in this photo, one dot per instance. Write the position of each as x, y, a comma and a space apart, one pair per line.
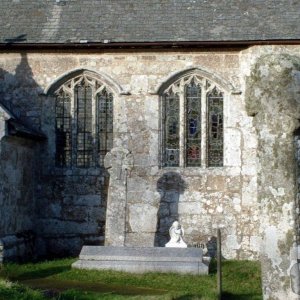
192, 123
84, 122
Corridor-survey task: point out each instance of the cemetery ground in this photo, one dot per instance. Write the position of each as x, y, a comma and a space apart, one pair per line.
57, 280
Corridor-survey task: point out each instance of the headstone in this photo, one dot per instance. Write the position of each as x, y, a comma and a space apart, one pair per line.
119, 163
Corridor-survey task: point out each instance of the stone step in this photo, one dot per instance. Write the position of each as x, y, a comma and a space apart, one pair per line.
142, 260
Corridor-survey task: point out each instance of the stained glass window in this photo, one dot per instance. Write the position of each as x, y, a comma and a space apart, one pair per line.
104, 123
84, 122
192, 126
215, 128
171, 129
83, 100
63, 130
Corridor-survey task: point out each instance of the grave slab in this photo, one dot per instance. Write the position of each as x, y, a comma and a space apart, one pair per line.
142, 260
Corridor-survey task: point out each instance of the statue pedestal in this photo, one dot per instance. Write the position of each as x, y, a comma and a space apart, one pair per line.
142, 260
180, 244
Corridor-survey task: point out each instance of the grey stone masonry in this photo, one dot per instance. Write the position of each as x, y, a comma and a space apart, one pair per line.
142, 260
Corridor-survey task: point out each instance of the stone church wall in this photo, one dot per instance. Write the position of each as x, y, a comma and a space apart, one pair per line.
18, 162
17, 201
71, 203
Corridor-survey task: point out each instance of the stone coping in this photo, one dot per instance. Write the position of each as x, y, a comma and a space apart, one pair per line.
140, 253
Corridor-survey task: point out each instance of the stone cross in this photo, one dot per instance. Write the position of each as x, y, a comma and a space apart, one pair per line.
119, 163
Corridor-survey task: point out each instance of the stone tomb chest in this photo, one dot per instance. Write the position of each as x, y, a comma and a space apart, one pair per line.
142, 260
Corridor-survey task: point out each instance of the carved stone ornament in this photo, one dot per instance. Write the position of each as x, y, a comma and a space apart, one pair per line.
119, 162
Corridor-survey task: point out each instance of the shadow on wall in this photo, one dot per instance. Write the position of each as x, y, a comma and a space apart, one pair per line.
170, 186
297, 204
19, 91
18, 94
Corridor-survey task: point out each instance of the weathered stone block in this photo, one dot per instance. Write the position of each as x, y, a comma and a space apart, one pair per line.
62, 227
142, 218
234, 184
189, 208
232, 153
216, 183
136, 239
85, 200
74, 213
231, 60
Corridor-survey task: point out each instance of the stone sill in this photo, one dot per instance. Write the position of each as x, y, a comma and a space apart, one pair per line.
157, 171
97, 171
200, 171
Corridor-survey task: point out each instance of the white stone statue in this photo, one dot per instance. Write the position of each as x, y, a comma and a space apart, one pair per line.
176, 233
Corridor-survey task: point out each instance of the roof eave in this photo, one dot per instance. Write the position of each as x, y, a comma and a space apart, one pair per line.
16, 128
159, 44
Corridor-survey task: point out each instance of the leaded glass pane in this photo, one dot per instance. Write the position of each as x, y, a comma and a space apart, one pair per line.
215, 128
63, 156
193, 124
85, 135
104, 123
171, 129
84, 138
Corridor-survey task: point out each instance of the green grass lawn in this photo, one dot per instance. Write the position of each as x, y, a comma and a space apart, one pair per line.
56, 280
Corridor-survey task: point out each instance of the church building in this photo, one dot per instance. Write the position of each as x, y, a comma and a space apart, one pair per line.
119, 117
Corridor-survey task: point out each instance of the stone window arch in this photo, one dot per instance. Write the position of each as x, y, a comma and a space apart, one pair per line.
84, 121
192, 123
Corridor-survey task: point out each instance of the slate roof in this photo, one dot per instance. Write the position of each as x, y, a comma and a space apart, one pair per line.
140, 21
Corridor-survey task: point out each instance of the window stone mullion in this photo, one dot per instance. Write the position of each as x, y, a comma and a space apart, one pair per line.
203, 129
95, 137
74, 125
182, 121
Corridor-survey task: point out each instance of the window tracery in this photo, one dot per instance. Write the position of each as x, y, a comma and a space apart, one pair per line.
84, 122
192, 123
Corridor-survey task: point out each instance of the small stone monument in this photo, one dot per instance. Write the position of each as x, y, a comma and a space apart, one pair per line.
142, 259
176, 233
119, 163
115, 255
